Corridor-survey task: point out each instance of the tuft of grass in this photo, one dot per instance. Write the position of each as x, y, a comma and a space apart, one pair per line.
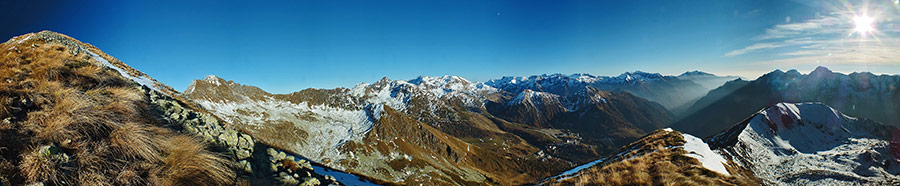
188, 163
135, 142
42, 164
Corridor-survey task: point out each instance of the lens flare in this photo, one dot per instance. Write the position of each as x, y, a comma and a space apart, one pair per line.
863, 24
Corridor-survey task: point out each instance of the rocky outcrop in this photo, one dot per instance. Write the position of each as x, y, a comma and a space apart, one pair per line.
258, 162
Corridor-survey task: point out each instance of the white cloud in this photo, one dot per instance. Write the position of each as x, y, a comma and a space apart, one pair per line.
752, 48
827, 40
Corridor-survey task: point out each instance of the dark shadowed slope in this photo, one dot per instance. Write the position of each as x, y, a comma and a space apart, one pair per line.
861, 94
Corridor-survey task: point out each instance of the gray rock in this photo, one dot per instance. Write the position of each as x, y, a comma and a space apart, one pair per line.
192, 129
229, 138
287, 179
310, 181
271, 152
242, 154
305, 164
245, 142
246, 166
249, 140
330, 178
175, 116
280, 156
274, 167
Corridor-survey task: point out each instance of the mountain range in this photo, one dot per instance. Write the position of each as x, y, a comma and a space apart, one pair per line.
479, 134
860, 94
784, 144
73, 115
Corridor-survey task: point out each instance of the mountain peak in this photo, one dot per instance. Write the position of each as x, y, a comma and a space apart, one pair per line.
212, 77
640, 76
215, 80
821, 70
695, 73
439, 80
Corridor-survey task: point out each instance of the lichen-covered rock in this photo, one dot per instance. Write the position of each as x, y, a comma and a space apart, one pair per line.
305, 164
242, 154
310, 182
246, 166
230, 138
245, 141
287, 179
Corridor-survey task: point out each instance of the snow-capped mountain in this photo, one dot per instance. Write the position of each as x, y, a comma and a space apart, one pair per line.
670, 91
860, 94
396, 131
813, 144
339, 127
784, 144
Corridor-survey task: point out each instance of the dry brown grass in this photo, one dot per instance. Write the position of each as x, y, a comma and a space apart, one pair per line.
188, 163
654, 164
37, 165
65, 120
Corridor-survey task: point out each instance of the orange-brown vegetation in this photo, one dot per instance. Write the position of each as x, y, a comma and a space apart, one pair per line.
67, 120
650, 161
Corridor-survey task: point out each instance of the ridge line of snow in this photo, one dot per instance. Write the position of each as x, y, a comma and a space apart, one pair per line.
699, 150
140, 80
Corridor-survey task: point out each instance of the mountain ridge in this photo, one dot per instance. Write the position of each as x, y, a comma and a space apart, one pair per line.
782, 144
454, 106
105, 115
859, 93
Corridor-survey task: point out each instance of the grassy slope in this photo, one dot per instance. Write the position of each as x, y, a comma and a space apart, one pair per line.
66, 120
649, 161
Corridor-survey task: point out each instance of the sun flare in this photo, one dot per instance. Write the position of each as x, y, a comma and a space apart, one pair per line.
863, 24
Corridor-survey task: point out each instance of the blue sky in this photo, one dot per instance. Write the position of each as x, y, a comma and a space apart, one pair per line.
285, 46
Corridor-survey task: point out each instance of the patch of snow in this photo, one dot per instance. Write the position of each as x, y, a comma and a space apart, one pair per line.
572, 171
331, 127
20, 42
213, 79
142, 80
668, 129
699, 150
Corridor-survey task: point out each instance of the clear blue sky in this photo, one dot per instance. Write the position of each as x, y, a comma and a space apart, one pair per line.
287, 46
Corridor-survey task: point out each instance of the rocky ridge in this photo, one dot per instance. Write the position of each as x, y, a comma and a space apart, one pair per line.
249, 159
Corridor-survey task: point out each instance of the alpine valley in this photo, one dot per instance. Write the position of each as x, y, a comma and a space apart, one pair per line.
66, 106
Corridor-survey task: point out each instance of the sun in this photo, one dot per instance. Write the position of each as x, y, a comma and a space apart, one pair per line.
863, 24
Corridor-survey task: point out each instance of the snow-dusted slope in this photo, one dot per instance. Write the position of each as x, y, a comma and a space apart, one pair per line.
330, 126
699, 150
317, 123
813, 144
